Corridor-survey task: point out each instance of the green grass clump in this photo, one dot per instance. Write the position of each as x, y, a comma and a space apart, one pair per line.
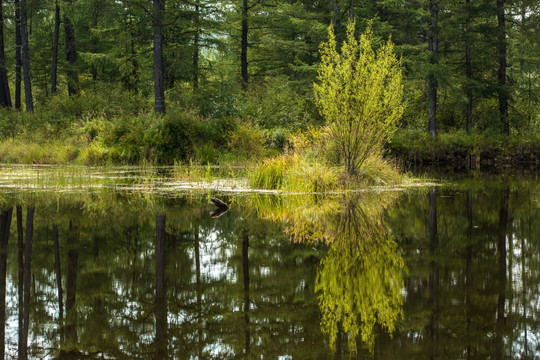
307, 169
24, 152
270, 173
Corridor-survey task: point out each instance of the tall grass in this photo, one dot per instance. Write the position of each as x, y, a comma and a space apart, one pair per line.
310, 166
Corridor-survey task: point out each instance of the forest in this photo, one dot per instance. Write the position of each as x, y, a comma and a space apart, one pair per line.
207, 81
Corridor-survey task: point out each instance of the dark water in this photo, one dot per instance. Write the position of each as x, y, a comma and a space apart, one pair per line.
451, 272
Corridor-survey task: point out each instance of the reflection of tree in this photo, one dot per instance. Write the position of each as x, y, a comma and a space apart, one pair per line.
5, 223
27, 275
502, 252
360, 278
161, 305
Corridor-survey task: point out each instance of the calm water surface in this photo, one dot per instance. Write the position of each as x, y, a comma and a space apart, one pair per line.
448, 272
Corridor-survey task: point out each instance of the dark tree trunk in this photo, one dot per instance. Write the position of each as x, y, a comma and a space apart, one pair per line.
58, 271
245, 267
501, 250
468, 273
72, 268
433, 46
524, 282
468, 67
70, 330
196, 49
27, 279
199, 295
5, 224
18, 58
244, 45
351, 10
26, 59
161, 306
71, 57
159, 75
55, 48
433, 327
503, 91
5, 97
20, 245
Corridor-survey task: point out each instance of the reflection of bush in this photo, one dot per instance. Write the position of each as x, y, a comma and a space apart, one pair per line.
361, 278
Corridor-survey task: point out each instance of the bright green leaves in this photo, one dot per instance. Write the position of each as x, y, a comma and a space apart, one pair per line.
359, 92
360, 279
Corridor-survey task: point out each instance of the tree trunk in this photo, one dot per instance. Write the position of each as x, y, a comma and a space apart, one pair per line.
501, 250
468, 68
161, 306
159, 79
58, 272
20, 245
244, 45
503, 91
5, 224
71, 57
468, 272
199, 295
27, 278
55, 48
73, 263
5, 97
196, 49
433, 46
433, 327
245, 267
18, 59
26, 60
70, 330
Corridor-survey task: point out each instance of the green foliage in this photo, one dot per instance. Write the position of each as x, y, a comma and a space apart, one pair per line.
176, 132
276, 103
360, 278
359, 93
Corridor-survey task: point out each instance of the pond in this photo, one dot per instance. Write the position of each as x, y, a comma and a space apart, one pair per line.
126, 269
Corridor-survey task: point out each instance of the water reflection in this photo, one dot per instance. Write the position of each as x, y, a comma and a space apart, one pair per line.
360, 280
440, 273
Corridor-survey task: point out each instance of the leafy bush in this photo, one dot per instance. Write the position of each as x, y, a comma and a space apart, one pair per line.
359, 93
176, 138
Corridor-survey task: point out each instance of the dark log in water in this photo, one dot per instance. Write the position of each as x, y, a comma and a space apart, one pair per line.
222, 208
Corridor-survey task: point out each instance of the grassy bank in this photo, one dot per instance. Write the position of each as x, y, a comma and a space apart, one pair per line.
462, 150
118, 128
